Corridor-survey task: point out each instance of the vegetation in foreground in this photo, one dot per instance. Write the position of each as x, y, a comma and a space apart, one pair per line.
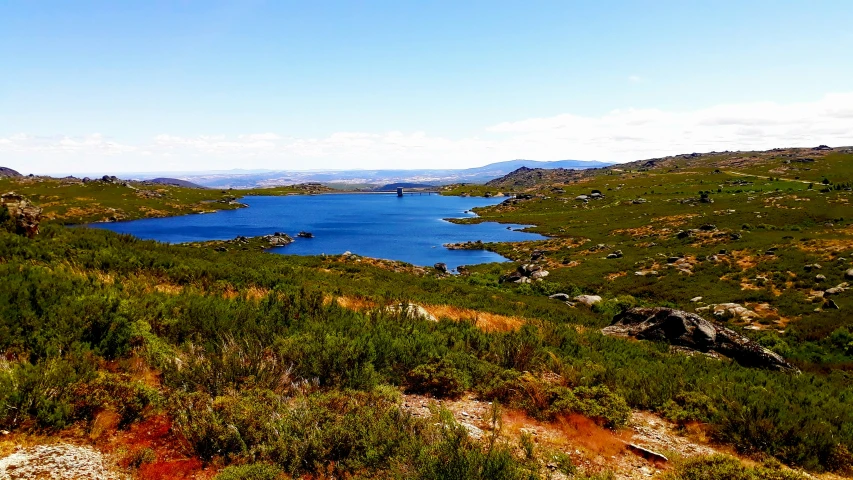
258, 366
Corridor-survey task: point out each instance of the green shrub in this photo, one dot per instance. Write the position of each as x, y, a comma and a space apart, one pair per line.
722, 467
439, 379
253, 471
689, 407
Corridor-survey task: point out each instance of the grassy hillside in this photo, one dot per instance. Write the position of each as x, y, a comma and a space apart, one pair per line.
72, 201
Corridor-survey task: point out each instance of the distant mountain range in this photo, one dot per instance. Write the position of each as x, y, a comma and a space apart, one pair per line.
241, 179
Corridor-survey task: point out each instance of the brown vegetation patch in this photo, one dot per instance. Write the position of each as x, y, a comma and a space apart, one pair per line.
826, 247
646, 231
489, 322
675, 220
353, 303
615, 275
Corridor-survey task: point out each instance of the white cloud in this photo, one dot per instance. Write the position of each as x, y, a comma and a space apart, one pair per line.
635, 78
619, 135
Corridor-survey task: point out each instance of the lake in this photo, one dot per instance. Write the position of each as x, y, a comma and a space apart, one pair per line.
410, 229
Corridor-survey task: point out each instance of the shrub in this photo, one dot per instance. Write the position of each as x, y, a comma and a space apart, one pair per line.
688, 407
722, 467
253, 471
439, 379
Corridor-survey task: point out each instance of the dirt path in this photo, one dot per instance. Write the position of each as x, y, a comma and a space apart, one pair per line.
767, 177
593, 449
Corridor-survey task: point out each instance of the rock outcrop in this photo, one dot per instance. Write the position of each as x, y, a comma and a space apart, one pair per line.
693, 332
279, 239
24, 217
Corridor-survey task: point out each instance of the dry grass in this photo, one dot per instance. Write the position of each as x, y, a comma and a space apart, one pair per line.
486, 321
489, 322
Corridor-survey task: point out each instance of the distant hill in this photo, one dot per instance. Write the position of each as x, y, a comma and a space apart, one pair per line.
176, 182
391, 187
240, 179
8, 172
524, 177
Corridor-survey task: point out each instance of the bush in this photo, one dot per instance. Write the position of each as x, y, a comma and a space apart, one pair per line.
253, 471
722, 467
439, 379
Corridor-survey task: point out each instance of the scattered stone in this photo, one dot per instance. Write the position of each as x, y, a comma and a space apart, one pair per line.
588, 300
811, 267
616, 254
305, 235
730, 311
849, 274
645, 273
694, 332
708, 227
830, 304
820, 278
696, 299
539, 274
563, 297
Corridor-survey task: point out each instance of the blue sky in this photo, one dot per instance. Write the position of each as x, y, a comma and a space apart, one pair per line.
196, 85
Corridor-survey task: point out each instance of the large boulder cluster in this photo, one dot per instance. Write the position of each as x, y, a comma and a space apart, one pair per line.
526, 273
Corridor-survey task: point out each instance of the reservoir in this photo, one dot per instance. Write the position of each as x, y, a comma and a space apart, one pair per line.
410, 228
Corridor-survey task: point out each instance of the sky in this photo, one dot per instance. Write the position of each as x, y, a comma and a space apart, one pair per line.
105, 86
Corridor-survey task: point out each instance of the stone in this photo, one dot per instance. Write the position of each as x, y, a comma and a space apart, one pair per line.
830, 304
588, 300
412, 311
563, 297
820, 278
688, 330
646, 273
730, 311
539, 274
696, 299
23, 214
849, 274
441, 267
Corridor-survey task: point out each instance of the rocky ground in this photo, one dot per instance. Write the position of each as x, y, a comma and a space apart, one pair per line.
60, 461
636, 452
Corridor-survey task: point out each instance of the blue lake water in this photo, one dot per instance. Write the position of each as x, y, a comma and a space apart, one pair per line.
410, 229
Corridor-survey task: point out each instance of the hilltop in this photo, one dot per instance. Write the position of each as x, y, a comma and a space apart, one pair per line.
176, 182
525, 177
8, 172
